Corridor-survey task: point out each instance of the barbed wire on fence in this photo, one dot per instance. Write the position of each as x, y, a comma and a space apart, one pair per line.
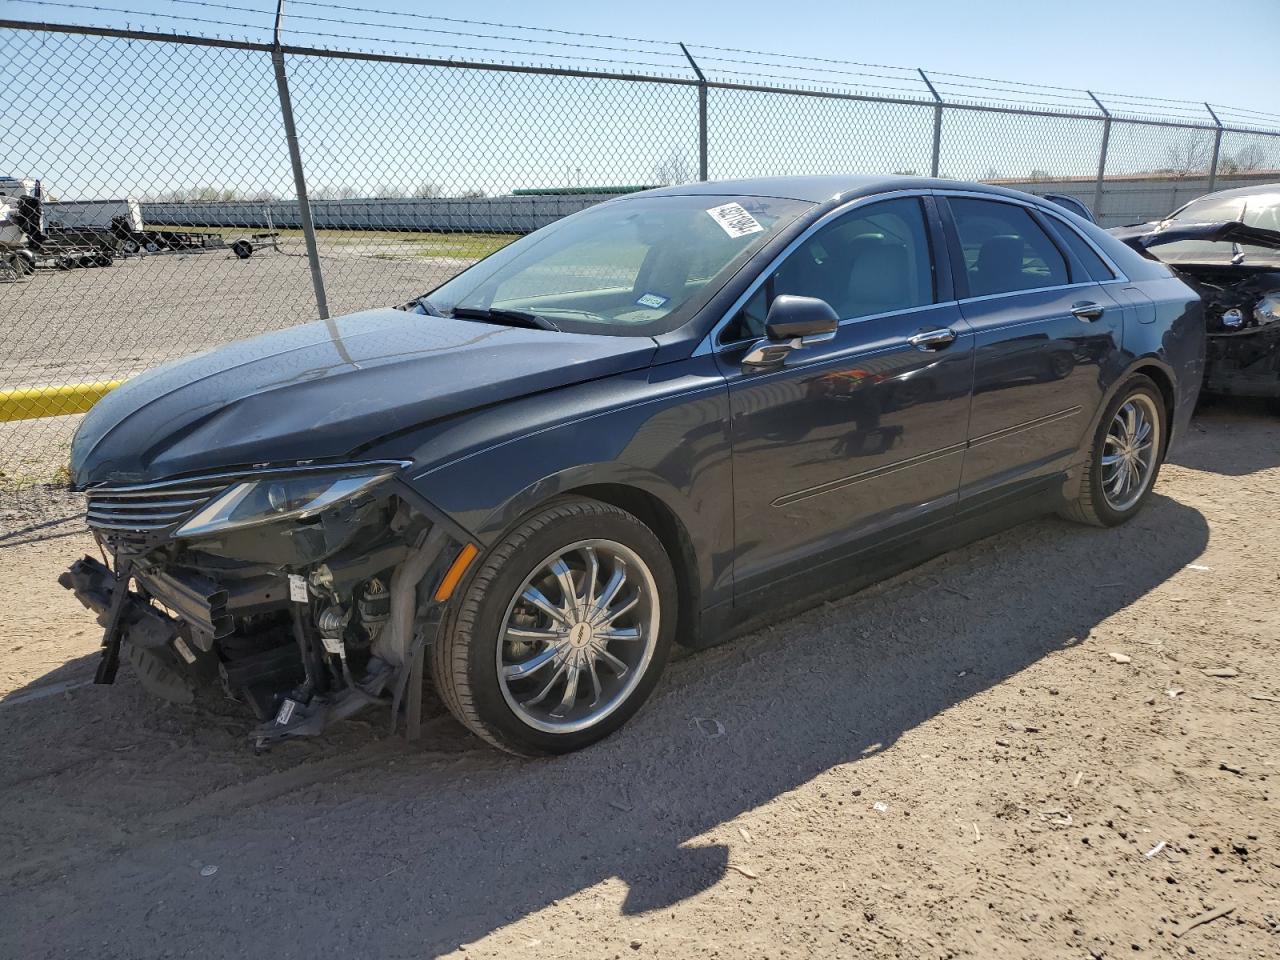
953, 87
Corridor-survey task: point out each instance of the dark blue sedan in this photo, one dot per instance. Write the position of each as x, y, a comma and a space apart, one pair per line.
661, 420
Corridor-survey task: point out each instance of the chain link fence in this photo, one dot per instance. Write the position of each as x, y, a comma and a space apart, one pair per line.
194, 191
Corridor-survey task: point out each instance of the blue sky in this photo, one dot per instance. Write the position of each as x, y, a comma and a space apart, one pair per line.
172, 119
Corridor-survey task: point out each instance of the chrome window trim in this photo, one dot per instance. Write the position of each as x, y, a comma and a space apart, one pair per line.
1120, 275
1019, 293
1039, 208
710, 342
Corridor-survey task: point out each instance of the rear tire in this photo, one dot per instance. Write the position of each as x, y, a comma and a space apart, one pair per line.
1120, 472
494, 631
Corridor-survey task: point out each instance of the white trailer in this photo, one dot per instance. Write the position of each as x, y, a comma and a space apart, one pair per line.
94, 214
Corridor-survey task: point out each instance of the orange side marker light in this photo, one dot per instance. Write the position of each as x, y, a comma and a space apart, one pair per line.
456, 569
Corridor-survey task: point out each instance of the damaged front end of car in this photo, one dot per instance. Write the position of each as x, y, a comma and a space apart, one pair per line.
308, 593
1241, 294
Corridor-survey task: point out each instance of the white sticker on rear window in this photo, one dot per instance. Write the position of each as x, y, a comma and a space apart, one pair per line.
651, 300
734, 220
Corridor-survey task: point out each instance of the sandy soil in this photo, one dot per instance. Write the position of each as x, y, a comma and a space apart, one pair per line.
1012, 751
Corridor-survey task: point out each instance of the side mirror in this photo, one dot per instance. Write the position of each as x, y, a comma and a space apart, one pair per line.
791, 317
793, 322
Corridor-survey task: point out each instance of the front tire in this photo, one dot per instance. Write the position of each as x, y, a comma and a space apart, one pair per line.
562, 632
1124, 459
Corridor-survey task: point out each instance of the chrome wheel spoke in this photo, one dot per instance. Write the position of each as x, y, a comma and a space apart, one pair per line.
590, 576
518, 671
614, 663
542, 694
1117, 484
624, 633
616, 580
533, 596
1111, 459
527, 635
568, 589
570, 691
596, 688
609, 616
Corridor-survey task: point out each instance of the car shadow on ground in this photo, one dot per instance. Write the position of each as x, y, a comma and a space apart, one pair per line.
429, 846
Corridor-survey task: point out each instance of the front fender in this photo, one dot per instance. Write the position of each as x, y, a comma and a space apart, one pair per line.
664, 434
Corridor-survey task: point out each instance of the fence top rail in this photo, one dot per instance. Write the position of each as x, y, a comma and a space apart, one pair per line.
306, 51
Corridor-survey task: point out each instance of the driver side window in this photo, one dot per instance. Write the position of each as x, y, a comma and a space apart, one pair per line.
873, 260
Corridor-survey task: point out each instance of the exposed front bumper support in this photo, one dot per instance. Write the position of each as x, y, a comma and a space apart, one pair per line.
124, 615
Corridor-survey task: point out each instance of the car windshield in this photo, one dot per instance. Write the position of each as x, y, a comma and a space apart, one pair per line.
636, 266
1253, 210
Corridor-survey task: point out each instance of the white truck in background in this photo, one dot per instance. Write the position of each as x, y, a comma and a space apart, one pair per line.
84, 233
27, 240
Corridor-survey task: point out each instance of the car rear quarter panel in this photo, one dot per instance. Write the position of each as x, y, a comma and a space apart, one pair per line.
1175, 341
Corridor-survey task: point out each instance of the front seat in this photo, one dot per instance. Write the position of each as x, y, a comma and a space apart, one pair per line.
999, 266
878, 281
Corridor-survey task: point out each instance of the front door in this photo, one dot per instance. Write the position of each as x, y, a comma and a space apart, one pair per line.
864, 432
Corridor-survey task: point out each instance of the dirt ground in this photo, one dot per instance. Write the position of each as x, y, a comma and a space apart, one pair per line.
1057, 742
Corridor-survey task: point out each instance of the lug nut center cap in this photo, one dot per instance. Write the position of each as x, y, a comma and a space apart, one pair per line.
581, 635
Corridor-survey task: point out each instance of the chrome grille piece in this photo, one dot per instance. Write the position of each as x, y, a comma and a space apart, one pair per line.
149, 507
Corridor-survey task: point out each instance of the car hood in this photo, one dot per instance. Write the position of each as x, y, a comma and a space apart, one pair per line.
322, 390
1143, 236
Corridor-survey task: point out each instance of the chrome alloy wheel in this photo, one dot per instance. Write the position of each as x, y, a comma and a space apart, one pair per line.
578, 636
1130, 452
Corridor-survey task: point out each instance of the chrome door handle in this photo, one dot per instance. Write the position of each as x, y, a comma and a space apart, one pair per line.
1087, 310
932, 339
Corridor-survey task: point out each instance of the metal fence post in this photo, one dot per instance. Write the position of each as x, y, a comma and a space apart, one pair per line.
702, 114
934, 164
1102, 157
1217, 149
299, 179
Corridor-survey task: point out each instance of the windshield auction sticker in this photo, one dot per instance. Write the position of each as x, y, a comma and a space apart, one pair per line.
734, 220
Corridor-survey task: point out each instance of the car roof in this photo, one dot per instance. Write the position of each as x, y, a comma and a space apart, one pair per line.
1243, 191
826, 189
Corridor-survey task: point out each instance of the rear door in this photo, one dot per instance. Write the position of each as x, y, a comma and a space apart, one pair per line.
1047, 337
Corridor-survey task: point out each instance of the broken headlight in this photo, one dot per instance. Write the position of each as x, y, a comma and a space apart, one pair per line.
1267, 310
270, 497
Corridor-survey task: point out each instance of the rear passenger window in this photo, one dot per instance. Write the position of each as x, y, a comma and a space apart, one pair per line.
875, 259
1004, 248
1094, 264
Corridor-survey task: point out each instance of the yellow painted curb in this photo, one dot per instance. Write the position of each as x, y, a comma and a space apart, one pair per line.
30, 403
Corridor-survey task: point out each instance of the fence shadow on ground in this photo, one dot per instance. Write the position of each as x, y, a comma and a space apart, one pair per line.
422, 848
